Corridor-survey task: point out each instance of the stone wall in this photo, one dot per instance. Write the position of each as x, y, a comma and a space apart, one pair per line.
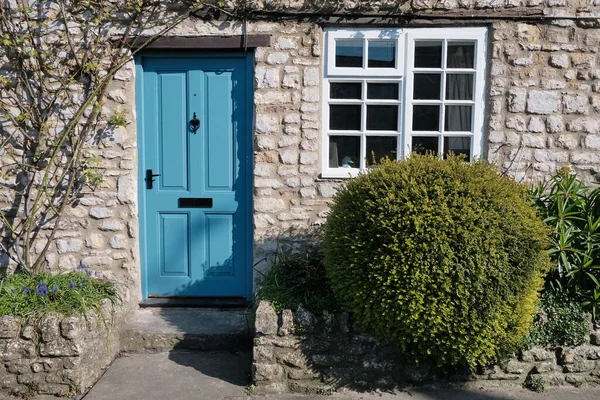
301, 352
542, 114
56, 355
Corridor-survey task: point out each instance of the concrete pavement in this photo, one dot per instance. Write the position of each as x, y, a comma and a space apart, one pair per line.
218, 375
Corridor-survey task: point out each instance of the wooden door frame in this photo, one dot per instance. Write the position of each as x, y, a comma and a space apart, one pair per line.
247, 163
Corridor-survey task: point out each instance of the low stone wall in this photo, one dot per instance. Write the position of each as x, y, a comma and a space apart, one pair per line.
55, 354
301, 352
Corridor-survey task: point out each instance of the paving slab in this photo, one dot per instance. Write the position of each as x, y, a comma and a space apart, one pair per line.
177, 375
166, 329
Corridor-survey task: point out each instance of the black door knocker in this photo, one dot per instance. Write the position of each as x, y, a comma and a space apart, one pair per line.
194, 124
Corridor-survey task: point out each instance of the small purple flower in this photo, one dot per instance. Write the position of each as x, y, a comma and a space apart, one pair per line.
80, 284
26, 290
71, 284
54, 289
14, 291
82, 266
42, 289
88, 272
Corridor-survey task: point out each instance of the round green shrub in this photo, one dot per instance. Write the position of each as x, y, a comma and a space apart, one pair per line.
443, 257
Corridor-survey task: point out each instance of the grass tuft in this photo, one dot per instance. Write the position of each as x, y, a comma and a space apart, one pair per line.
72, 293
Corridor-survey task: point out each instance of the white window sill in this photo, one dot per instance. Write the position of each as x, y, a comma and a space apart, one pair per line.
340, 173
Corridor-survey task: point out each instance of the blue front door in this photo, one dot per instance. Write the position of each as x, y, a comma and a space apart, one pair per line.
194, 173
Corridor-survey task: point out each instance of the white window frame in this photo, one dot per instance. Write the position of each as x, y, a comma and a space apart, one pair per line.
365, 35
403, 73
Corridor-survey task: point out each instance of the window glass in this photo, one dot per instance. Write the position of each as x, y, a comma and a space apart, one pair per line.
383, 91
425, 145
344, 117
382, 118
458, 119
380, 147
345, 90
344, 152
428, 54
382, 54
459, 86
458, 146
461, 55
427, 86
426, 118
349, 53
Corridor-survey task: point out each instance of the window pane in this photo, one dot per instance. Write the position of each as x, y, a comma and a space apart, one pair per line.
461, 55
459, 86
382, 118
344, 117
382, 54
458, 119
425, 145
381, 147
428, 54
386, 91
426, 118
346, 90
458, 146
427, 87
349, 53
344, 151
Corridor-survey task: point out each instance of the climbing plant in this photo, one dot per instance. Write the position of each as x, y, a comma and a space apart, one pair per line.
57, 59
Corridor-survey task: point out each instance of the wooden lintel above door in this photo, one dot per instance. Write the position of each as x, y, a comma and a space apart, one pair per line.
203, 42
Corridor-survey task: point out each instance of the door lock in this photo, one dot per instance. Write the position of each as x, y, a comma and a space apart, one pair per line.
150, 178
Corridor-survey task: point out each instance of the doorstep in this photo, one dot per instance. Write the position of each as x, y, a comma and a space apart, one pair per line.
165, 329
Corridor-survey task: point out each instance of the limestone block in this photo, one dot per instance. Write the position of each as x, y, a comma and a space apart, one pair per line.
267, 123
304, 317
312, 76
68, 245
555, 124
546, 366
266, 319
9, 327
267, 372
311, 94
49, 328
269, 204
127, 189
289, 156
267, 77
575, 104
278, 58
559, 61
272, 97
517, 100
536, 124
309, 157
112, 226
287, 323
265, 142
543, 102
118, 242
517, 123
94, 241
100, 213
585, 158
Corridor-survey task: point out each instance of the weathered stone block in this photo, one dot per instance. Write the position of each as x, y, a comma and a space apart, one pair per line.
543, 102
287, 323
267, 372
266, 319
517, 100
9, 327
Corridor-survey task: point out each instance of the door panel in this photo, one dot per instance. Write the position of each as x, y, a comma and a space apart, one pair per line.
198, 246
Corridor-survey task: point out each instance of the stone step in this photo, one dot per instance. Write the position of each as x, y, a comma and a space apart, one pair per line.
151, 330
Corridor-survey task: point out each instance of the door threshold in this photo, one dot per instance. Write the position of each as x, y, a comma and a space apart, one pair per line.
196, 302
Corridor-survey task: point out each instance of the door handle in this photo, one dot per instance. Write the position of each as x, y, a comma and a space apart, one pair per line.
150, 178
